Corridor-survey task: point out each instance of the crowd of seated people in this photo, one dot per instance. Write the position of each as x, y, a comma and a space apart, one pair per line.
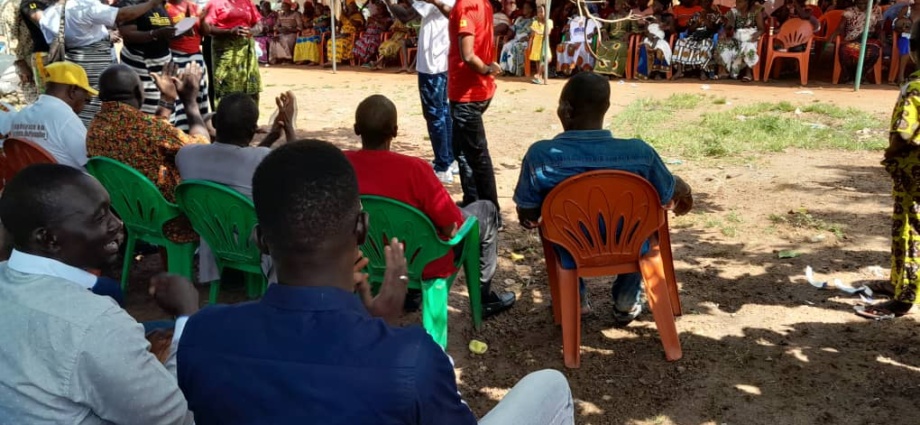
692, 37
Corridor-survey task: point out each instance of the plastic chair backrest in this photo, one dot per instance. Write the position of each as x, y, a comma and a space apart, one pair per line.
222, 216
393, 219
23, 153
139, 203
816, 11
602, 218
795, 32
829, 22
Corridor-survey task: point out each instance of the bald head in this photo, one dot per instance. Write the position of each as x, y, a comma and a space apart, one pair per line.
375, 122
584, 101
119, 83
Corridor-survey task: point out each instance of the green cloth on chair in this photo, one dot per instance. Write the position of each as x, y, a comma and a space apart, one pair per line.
393, 219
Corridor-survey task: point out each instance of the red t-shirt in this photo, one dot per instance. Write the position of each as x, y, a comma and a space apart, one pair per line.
411, 181
190, 42
470, 17
229, 14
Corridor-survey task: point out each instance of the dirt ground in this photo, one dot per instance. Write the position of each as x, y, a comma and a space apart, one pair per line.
761, 345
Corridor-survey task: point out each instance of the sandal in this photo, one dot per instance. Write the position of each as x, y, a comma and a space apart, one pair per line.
746, 79
882, 311
536, 81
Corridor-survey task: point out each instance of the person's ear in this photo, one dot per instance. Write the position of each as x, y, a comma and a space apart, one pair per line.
395, 131
357, 130
45, 240
362, 224
260, 241
565, 111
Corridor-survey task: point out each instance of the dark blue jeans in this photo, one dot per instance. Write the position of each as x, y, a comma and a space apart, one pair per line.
477, 177
436, 109
109, 287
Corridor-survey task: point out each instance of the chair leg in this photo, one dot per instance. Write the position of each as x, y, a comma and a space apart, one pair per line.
803, 70
552, 275
179, 259
656, 290
877, 70
126, 266
570, 310
434, 309
766, 73
215, 290
667, 261
473, 275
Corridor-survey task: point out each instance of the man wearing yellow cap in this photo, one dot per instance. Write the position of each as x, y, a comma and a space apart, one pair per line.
52, 121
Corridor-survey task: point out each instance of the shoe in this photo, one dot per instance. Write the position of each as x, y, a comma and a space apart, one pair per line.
445, 177
493, 303
455, 168
622, 319
413, 301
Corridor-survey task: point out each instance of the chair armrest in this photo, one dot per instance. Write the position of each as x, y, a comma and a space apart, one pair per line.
463, 232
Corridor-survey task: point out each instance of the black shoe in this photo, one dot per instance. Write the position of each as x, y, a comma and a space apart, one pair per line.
413, 301
493, 303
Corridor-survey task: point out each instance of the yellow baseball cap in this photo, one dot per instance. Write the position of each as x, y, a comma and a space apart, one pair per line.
68, 73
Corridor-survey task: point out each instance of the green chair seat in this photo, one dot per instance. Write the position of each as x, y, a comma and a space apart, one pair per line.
393, 219
225, 219
144, 211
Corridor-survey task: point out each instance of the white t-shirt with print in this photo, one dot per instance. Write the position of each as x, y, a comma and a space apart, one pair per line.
433, 39
52, 124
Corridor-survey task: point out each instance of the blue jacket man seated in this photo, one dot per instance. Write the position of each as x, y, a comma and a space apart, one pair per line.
311, 351
583, 147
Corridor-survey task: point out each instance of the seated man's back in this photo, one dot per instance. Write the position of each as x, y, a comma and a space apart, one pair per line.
312, 355
52, 122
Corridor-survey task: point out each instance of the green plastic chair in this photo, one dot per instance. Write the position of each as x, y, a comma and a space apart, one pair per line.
393, 219
225, 219
142, 208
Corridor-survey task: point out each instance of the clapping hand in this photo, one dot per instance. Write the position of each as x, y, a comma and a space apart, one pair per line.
174, 294
388, 304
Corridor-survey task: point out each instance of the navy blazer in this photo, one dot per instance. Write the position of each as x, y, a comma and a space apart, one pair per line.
313, 355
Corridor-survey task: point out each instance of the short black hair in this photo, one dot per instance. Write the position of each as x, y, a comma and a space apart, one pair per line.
376, 118
588, 94
33, 199
118, 83
236, 118
305, 193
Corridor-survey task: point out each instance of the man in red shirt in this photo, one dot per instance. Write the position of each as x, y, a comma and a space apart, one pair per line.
410, 180
470, 86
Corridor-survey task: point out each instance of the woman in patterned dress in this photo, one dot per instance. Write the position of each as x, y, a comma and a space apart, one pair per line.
366, 46
851, 28
737, 51
902, 162
612, 51
351, 24
695, 51
288, 25
264, 40
512, 55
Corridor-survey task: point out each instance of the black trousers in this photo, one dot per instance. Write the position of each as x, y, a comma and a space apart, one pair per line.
471, 150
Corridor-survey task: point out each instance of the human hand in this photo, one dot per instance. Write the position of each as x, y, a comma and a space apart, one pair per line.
494, 69
286, 109
164, 33
683, 205
530, 224
388, 304
360, 263
241, 31
166, 82
25, 72
174, 294
114, 36
188, 83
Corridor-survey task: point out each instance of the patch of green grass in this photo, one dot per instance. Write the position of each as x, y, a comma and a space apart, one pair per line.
672, 125
719, 101
802, 219
539, 110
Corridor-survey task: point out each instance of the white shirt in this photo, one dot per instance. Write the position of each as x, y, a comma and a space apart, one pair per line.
87, 21
433, 38
52, 124
7, 112
578, 28
74, 357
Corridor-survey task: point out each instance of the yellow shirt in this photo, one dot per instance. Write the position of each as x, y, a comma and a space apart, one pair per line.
536, 52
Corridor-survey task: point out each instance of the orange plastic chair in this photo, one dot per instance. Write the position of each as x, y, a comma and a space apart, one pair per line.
795, 32
816, 11
527, 52
838, 69
20, 154
409, 52
895, 62
630, 210
829, 23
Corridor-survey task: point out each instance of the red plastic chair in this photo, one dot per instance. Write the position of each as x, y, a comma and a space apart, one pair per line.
631, 212
795, 32
20, 154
